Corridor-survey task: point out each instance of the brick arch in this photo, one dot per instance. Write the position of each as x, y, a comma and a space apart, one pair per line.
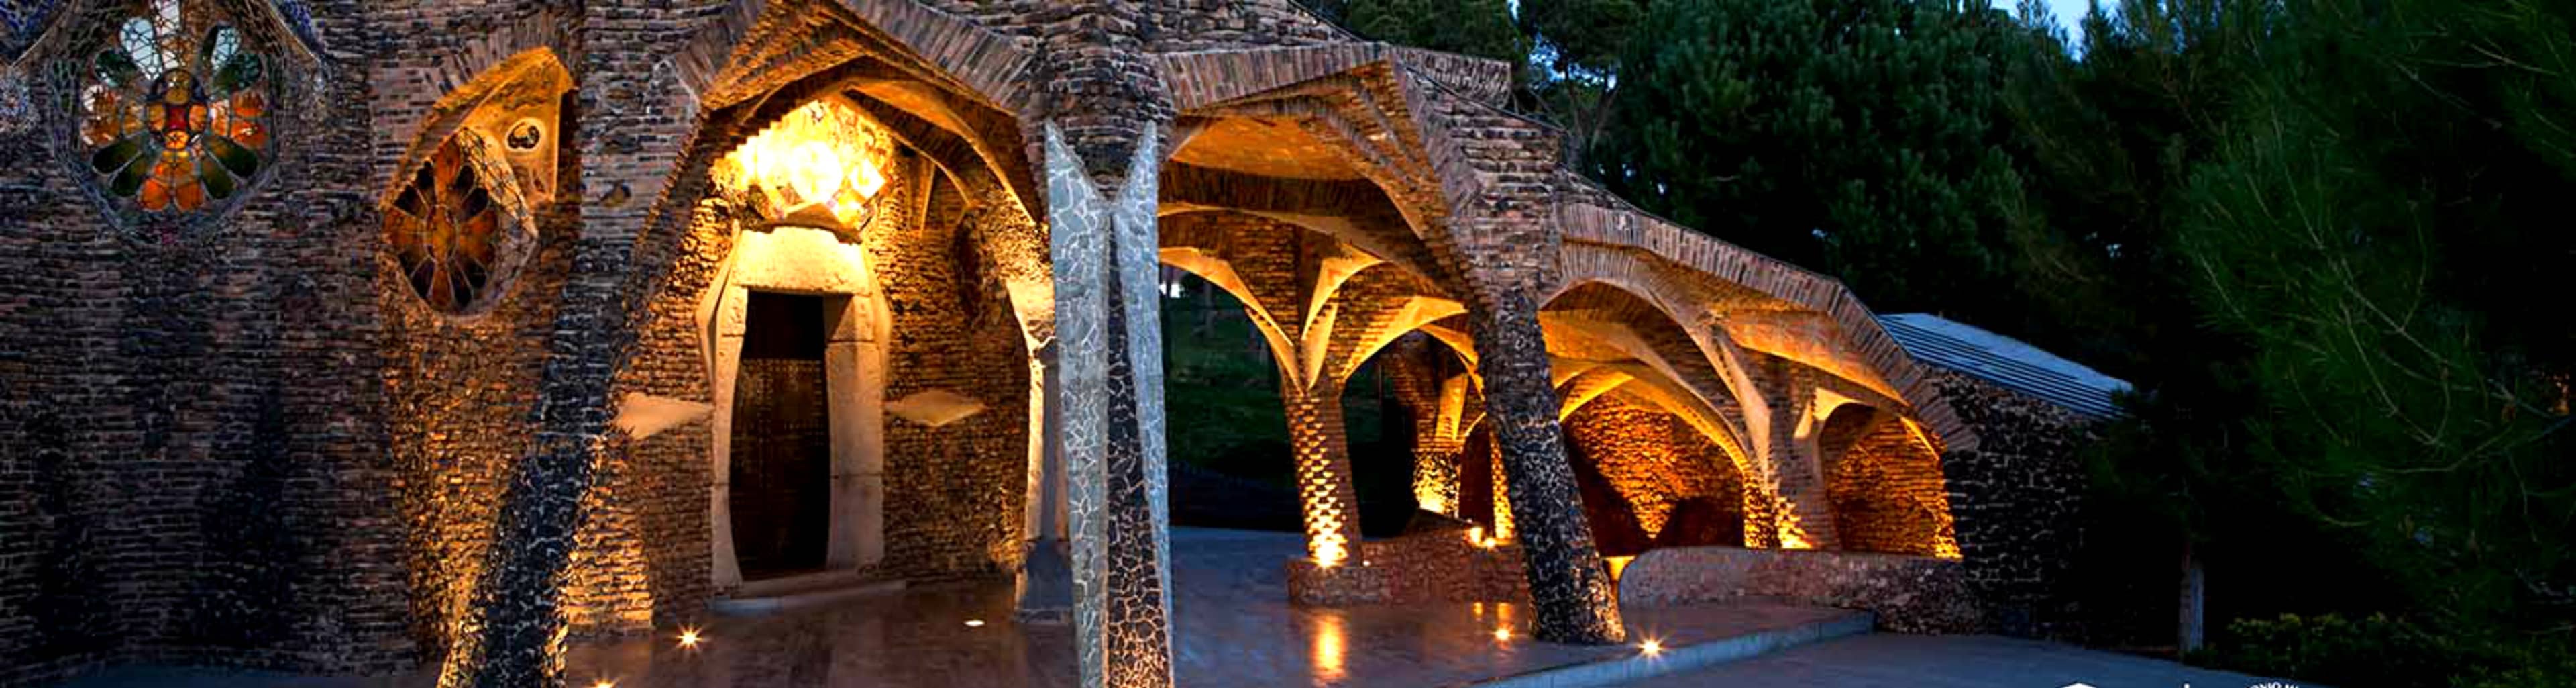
1883, 480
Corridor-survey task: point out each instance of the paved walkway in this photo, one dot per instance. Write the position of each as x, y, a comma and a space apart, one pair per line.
1234, 628
1886, 660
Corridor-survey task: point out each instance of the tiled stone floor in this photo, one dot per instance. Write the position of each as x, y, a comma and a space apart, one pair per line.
1887, 660
1235, 629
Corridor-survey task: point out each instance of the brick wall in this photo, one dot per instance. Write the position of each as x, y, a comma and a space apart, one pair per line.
1649, 465
1888, 494
189, 439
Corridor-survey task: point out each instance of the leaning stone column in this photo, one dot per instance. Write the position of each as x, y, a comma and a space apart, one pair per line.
1575, 600
1325, 492
512, 633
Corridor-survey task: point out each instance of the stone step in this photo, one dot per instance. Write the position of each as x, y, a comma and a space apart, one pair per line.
773, 596
1673, 659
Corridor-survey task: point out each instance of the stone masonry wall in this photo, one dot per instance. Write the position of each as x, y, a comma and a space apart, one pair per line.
2017, 500
190, 456
954, 493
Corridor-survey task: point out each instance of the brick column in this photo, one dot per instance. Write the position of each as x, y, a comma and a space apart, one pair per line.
1325, 492
1804, 516
1409, 367
1571, 588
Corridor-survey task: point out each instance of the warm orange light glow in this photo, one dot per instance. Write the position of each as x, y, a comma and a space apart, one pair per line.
1329, 550
1328, 647
825, 160
1504, 633
689, 638
604, 683
974, 623
1618, 565
1476, 535
1651, 647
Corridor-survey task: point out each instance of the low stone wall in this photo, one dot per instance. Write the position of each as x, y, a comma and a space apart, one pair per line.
1434, 566
1909, 594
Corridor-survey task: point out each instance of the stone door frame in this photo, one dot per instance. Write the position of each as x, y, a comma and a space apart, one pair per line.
815, 262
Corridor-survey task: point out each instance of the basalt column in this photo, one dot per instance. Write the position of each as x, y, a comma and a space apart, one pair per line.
1105, 113
512, 635
1568, 584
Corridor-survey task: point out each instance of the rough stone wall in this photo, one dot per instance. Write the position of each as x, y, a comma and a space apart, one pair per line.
954, 493
457, 416
190, 456
1888, 494
656, 489
1908, 594
2017, 499
1414, 568
1187, 25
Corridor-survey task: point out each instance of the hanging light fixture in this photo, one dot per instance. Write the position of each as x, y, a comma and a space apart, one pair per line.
820, 166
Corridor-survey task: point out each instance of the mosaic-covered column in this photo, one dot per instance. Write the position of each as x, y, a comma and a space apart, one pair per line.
1325, 491
1571, 588
1109, 339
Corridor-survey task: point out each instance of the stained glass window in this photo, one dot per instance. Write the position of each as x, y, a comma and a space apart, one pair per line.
449, 226
173, 111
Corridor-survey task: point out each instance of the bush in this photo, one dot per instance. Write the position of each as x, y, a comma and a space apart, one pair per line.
2377, 650
2380, 650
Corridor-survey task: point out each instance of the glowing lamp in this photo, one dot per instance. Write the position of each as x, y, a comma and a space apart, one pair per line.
820, 166
974, 623
689, 638
1651, 647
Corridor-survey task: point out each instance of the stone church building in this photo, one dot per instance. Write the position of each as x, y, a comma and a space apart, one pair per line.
350, 337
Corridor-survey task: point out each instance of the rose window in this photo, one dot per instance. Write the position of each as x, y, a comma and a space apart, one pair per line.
173, 112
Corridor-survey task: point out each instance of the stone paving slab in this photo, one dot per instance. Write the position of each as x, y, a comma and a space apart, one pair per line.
1235, 629
1919, 661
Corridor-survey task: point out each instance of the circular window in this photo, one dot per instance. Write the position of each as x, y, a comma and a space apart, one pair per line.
458, 228
526, 135
173, 112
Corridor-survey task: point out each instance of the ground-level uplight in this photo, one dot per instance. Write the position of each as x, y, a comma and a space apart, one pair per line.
1504, 633
689, 638
1651, 647
974, 623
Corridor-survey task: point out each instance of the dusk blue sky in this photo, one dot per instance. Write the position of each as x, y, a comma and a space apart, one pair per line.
2069, 12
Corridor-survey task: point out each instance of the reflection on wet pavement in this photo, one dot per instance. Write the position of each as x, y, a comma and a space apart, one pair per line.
1235, 629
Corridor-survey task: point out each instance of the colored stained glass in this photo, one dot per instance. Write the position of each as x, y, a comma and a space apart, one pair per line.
447, 227
173, 111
